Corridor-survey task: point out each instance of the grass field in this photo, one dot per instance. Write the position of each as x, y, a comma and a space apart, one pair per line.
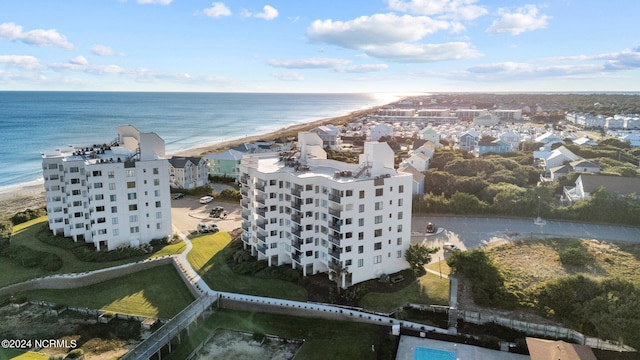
208, 258
324, 339
157, 292
428, 289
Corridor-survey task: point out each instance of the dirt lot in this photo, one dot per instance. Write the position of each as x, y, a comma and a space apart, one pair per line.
227, 344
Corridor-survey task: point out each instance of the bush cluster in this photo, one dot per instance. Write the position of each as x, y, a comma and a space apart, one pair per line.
29, 214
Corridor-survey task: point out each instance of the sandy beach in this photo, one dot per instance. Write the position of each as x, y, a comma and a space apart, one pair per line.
22, 196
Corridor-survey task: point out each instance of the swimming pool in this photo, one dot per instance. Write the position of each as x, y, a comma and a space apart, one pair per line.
423, 353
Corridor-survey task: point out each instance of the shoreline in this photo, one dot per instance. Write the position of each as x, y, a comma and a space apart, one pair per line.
35, 188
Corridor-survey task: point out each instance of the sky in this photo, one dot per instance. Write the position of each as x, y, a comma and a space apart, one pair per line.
320, 46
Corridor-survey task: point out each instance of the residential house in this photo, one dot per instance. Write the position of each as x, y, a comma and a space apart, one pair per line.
418, 160
329, 135
511, 139
584, 141
188, 172
584, 166
380, 130
226, 163
633, 139
110, 195
554, 158
497, 146
417, 187
588, 183
548, 139
468, 140
430, 134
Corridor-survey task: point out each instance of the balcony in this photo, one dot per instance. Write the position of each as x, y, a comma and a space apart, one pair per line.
262, 248
296, 230
295, 192
335, 198
244, 203
262, 225
335, 253
261, 211
246, 238
246, 226
244, 180
261, 236
295, 205
334, 240
335, 212
296, 257
335, 225
296, 217
296, 243
260, 200
259, 186
244, 191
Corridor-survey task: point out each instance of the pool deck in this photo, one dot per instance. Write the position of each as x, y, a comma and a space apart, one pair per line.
463, 352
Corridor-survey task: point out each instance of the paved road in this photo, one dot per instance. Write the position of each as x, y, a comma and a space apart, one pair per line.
471, 232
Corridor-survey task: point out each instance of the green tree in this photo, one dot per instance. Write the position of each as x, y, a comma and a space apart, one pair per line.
463, 203
418, 255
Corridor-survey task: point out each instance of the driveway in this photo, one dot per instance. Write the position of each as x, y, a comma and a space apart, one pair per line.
187, 213
472, 232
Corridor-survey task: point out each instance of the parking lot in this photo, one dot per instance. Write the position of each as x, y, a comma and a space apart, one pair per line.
188, 212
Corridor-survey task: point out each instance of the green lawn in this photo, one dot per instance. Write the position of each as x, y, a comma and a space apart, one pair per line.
428, 289
6, 354
157, 292
208, 258
440, 266
324, 339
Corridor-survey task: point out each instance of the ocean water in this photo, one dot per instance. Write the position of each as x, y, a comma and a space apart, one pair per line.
33, 122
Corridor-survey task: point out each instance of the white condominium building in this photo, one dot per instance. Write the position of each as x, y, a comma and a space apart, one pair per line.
303, 209
110, 194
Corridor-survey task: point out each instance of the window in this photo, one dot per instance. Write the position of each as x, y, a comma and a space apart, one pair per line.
53, 166
401, 188
112, 198
111, 174
399, 241
347, 262
156, 193
379, 192
115, 232
131, 184
133, 207
114, 221
308, 187
112, 186
378, 219
102, 231
377, 232
377, 246
99, 197
114, 209
399, 215
348, 221
132, 196
347, 249
158, 204
400, 228
349, 193
134, 229
73, 169
399, 254
361, 194
378, 205
97, 185
78, 214
360, 262
99, 208
361, 222
75, 192
131, 173
348, 235
377, 259
133, 218
360, 236
308, 201
360, 249
75, 181
361, 208
156, 182
77, 203
400, 202
155, 171
101, 220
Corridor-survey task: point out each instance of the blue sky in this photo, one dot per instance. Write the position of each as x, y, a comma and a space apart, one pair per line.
396, 46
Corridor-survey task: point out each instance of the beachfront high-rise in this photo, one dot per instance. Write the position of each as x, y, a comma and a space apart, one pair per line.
110, 194
303, 209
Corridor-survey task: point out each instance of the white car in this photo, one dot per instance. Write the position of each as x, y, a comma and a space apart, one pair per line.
206, 199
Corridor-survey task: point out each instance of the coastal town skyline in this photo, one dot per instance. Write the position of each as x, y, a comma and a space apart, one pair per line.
277, 46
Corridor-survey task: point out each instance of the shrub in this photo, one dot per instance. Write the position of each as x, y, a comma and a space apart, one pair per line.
27, 215
576, 255
75, 354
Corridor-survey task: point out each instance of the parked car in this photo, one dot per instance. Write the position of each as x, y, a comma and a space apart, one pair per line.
431, 228
450, 247
202, 228
206, 199
177, 196
214, 228
216, 212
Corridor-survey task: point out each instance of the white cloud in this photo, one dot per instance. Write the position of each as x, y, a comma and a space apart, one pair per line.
311, 63
523, 19
455, 9
366, 68
288, 76
160, 2
217, 10
378, 29
24, 62
79, 60
102, 50
268, 13
408, 53
39, 37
